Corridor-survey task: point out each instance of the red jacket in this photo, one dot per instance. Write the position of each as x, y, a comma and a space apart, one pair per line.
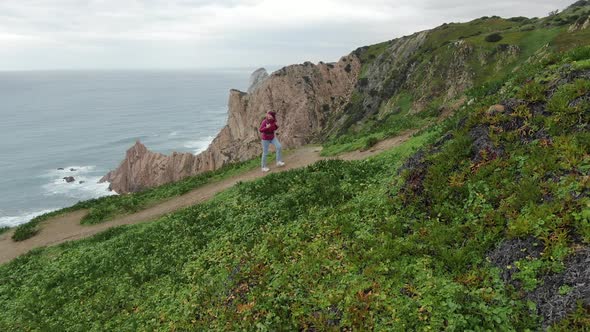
268, 133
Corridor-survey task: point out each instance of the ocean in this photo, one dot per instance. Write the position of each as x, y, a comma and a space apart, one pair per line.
56, 124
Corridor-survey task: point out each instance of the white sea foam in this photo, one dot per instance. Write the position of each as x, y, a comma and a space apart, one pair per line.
67, 171
12, 221
199, 145
85, 185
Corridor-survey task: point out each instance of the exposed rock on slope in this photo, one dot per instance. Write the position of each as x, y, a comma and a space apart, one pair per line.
424, 66
422, 74
552, 304
304, 96
256, 79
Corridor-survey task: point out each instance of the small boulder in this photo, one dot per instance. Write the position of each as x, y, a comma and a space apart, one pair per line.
60, 169
72, 169
81, 182
495, 109
69, 179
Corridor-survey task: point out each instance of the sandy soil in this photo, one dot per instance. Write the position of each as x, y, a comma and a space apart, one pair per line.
67, 227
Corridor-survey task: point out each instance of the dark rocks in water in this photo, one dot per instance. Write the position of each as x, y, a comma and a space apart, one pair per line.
60, 169
69, 179
72, 169
82, 182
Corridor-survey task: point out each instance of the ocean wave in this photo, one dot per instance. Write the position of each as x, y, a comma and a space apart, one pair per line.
83, 187
85, 184
12, 221
68, 171
199, 146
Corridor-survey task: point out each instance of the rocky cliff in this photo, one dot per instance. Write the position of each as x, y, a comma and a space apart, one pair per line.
304, 97
421, 75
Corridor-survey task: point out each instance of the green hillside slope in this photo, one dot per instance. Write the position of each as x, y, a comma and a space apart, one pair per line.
408, 82
481, 222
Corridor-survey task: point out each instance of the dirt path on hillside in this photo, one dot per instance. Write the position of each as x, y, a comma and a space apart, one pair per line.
67, 227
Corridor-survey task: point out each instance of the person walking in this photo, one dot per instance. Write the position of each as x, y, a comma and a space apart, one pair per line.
268, 128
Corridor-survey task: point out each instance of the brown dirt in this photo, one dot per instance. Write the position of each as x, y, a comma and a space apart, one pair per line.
67, 227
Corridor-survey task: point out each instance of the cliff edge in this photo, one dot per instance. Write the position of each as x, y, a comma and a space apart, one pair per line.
304, 97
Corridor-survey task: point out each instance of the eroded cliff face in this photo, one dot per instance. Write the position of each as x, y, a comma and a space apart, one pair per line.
304, 96
427, 67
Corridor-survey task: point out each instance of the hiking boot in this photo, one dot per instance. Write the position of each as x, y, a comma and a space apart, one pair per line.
280, 163
265, 169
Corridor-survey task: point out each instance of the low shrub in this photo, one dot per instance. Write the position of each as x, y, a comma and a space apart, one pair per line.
579, 53
532, 91
370, 142
25, 231
493, 38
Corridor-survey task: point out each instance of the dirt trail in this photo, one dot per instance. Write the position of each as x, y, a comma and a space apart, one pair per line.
67, 227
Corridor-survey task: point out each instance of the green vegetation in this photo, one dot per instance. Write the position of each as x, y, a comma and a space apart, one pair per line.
404, 241
451, 59
578, 320
371, 53
108, 207
493, 38
30, 229
397, 118
370, 142
4, 229
105, 208
397, 242
446, 33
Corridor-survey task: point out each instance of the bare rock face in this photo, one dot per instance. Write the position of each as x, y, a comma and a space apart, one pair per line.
303, 96
257, 77
142, 169
580, 24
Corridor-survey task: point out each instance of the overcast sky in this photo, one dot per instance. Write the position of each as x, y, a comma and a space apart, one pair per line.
160, 34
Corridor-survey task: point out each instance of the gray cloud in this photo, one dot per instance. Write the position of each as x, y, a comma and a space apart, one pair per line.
47, 34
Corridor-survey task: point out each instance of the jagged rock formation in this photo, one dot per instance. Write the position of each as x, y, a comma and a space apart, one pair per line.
304, 97
257, 77
422, 65
142, 169
427, 71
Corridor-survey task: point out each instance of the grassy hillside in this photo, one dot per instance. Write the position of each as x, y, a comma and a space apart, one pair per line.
408, 82
108, 207
479, 223
404, 84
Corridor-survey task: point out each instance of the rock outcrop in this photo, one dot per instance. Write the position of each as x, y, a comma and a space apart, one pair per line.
304, 96
142, 169
581, 24
69, 179
256, 79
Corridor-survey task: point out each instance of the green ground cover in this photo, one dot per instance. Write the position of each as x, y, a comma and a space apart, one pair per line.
347, 245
